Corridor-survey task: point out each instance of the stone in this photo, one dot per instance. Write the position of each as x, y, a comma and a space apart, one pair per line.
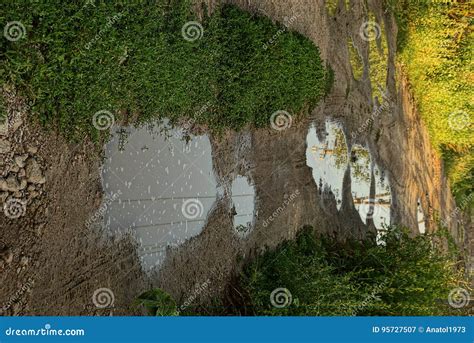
24, 261
20, 160
21, 173
32, 150
33, 172
15, 125
10, 184
14, 168
5, 146
23, 184
40, 229
3, 184
6, 255
3, 196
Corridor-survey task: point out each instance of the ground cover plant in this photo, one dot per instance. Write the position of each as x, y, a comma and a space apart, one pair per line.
141, 63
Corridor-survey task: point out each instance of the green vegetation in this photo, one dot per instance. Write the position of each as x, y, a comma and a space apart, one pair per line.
378, 60
157, 303
403, 276
436, 45
357, 63
317, 275
133, 61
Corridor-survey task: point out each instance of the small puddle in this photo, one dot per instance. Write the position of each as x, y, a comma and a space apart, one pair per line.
243, 199
420, 216
327, 155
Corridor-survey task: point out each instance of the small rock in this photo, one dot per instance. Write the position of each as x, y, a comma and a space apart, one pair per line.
21, 173
33, 172
10, 184
3, 184
5, 146
32, 150
6, 255
24, 261
3, 196
34, 194
20, 160
14, 168
31, 188
23, 184
16, 124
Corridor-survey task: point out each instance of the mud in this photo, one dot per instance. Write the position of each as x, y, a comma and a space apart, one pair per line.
57, 262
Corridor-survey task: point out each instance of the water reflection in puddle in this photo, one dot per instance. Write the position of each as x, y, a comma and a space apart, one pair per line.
243, 199
166, 189
328, 157
162, 189
420, 216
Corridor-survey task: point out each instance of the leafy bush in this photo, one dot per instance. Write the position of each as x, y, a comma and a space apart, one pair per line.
157, 303
133, 61
403, 276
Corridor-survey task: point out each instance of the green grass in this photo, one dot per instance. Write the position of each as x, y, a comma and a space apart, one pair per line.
132, 60
406, 276
436, 45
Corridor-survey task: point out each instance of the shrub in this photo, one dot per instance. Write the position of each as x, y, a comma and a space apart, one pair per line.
157, 303
402, 276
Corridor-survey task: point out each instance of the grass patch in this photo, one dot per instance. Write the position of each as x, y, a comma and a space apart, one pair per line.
404, 276
356, 60
436, 45
378, 55
133, 61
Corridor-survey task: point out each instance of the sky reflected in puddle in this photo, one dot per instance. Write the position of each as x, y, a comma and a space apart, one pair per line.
328, 157
161, 189
167, 188
243, 199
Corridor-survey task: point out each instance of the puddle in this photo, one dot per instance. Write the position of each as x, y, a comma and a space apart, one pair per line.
327, 155
327, 158
162, 188
243, 199
420, 216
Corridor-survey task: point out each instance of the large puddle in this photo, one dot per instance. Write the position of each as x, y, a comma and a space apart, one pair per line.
161, 189
328, 156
